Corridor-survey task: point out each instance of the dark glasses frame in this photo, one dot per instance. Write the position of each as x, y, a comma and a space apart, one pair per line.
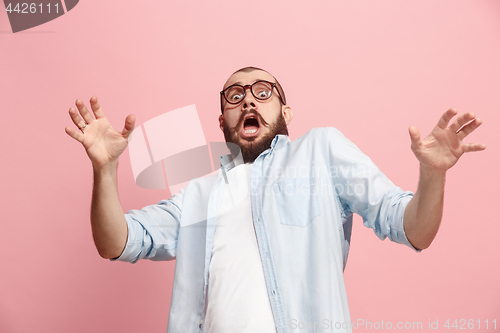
249, 86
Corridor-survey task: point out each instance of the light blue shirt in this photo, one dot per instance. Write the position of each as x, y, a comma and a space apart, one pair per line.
303, 195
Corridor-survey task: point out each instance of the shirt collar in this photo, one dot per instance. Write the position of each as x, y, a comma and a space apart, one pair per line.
279, 141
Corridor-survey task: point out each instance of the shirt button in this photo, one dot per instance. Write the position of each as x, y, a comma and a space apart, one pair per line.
274, 292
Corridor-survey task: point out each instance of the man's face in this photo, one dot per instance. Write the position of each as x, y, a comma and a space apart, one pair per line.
252, 124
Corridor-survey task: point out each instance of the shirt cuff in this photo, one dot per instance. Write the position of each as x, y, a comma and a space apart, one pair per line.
129, 250
404, 239
407, 242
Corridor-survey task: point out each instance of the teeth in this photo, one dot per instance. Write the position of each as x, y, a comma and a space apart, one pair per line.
250, 131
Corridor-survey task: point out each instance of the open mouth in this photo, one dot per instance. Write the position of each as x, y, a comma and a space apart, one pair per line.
250, 127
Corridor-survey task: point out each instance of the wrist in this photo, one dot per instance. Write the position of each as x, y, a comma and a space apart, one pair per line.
109, 168
431, 174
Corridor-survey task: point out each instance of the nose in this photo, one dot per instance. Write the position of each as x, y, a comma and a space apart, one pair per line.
249, 100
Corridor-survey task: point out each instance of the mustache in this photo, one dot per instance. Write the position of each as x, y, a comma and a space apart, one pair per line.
246, 112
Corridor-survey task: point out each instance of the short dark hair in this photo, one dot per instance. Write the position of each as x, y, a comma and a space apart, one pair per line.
251, 69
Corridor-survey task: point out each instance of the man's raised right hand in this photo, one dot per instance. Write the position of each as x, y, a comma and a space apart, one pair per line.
101, 141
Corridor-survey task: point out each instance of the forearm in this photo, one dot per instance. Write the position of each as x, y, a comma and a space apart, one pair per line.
109, 227
423, 213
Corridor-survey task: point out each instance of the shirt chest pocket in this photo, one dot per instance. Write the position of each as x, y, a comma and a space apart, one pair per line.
297, 201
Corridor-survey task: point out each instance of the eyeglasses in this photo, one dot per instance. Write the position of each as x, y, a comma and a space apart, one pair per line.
261, 90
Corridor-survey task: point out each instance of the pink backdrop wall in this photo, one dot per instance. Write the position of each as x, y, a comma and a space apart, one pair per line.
369, 68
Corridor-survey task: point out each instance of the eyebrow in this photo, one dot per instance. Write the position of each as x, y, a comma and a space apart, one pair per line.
241, 84
238, 82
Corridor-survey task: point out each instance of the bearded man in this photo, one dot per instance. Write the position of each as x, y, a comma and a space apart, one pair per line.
261, 247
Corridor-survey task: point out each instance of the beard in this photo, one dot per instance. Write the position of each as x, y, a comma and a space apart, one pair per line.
251, 148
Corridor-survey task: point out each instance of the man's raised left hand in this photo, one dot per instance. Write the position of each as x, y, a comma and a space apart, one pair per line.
442, 148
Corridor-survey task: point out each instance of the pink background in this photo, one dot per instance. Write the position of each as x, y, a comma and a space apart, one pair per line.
369, 68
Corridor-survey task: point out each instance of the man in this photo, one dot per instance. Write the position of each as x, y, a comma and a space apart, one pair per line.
261, 247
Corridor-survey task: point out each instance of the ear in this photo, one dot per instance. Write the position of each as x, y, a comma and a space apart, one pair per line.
221, 123
287, 113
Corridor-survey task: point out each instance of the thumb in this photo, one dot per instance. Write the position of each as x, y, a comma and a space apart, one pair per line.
129, 125
414, 135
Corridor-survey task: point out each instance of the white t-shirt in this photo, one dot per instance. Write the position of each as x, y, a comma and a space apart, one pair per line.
237, 294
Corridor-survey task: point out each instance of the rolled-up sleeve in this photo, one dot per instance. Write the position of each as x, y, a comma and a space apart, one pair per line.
153, 231
363, 189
